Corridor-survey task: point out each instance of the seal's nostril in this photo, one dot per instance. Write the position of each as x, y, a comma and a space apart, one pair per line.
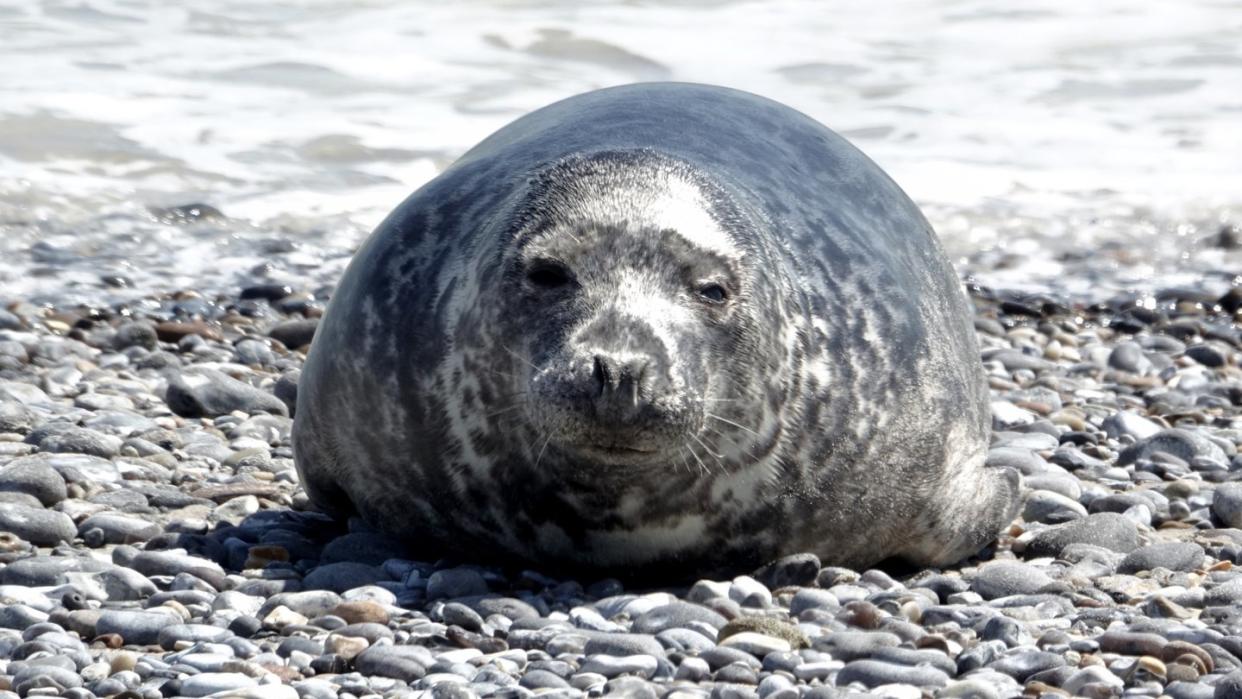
601, 374
619, 380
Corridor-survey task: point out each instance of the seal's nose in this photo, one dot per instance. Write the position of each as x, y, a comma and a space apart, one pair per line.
619, 379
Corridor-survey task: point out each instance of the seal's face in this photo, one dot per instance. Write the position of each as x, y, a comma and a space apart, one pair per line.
625, 296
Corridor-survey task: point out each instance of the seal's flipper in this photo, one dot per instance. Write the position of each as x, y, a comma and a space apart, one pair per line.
965, 516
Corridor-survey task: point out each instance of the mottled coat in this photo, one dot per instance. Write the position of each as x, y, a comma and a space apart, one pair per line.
832, 401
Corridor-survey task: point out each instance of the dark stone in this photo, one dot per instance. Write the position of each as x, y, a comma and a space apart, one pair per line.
798, 570
295, 333
342, 576
136, 334
266, 292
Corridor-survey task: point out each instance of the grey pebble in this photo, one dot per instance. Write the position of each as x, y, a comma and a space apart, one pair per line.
1173, 555
873, 673
854, 645
44, 676
120, 529
610, 665
138, 627
1128, 356
33, 477
1227, 504
676, 614
1022, 663
1230, 687
16, 418
1108, 530
1051, 508
34, 524
623, 644
406, 663
812, 598
206, 683
77, 440
1181, 443
1002, 579
210, 393
1124, 422
39, 571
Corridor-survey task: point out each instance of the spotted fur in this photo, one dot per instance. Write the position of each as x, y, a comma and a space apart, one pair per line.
832, 401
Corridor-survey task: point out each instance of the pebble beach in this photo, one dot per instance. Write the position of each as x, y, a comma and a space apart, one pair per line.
156, 542
181, 189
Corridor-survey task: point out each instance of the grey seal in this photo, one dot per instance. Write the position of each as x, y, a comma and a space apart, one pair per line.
662, 324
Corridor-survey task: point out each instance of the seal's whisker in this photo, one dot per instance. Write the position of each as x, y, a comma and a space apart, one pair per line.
727, 421
519, 357
708, 449
543, 449
685, 460
702, 466
747, 451
502, 411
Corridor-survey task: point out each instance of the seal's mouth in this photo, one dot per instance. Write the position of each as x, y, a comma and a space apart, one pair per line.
614, 451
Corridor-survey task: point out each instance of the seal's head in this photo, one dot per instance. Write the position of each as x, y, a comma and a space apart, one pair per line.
620, 304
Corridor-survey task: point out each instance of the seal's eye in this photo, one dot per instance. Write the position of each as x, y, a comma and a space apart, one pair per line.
713, 292
548, 274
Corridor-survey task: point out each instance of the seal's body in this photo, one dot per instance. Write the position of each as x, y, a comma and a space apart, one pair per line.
660, 323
